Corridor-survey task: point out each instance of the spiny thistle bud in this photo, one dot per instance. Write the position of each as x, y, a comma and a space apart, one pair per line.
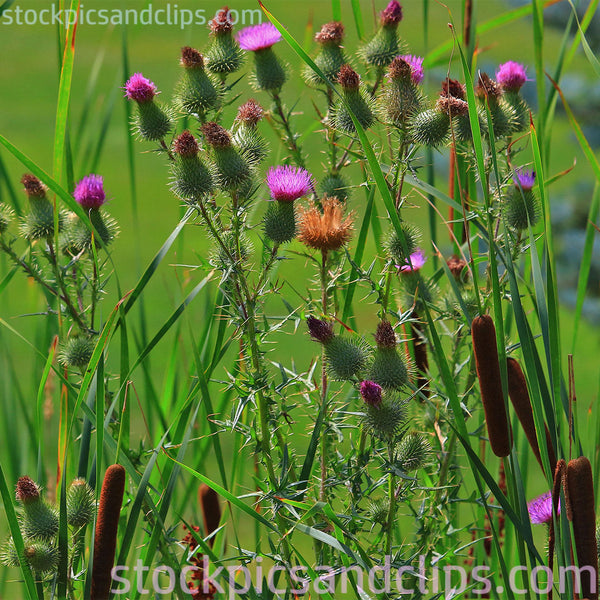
386, 420
346, 357
40, 519
418, 290
519, 396
269, 74
356, 103
80, 503
39, 222
211, 509
196, 92
488, 372
581, 498
246, 136
190, 178
400, 245
402, 97
320, 330
331, 56
232, 168
279, 222
385, 337
327, 229
224, 55
6, 216
488, 91
511, 76
378, 511
105, 540
335, 185
77, 351
371, 393
431, 128
152, 122
41, 556
388, 369
9, 555
520, 205
413, 452
250, 113
385, 45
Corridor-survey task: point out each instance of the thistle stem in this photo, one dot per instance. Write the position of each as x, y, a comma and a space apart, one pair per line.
324, 283
392, 506
291, 140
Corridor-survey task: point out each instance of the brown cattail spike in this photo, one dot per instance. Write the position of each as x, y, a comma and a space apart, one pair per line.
519, 396
211, 509
105, 541
421, 358
581, 495
488, 372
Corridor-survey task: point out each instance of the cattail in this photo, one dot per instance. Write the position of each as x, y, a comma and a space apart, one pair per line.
105, 542
581, 498
211, 509
519, 396
490, 383
421, 359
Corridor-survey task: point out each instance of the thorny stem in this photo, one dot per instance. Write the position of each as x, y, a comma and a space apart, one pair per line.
324, 282
166, 149
291, 140
392, 505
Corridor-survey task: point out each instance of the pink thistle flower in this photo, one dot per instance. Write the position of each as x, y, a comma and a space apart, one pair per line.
140, 89
416, 261
416, 67
540, 509
392, 14
524, 179
89, 192
258, 37
288, 183
371, 393
511, 76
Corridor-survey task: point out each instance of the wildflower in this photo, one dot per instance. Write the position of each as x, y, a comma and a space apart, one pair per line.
511, 76
152, 121
521, 207
327, 230
371, 393
388, 369
196, 92
250, 113
415, 262
384, 45
540, 509
320, 330
140, 89
107, 524
524, 179
287, 183
89, 192
33, 187
392, 14
385, 336
38, 223
258, 37
416, 67
224, 55
331, 55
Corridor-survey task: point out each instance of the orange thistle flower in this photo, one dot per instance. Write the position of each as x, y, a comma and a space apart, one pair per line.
327, 230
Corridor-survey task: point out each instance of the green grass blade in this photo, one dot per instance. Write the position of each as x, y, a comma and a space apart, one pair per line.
358, 19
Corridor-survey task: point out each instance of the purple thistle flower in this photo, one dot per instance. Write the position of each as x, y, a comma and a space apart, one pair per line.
511, 76
258, 37
371, 393
140, 89
320, 330
288, 183
416, 67
524, 179
416, 262
392, 14
540, 509
89, 192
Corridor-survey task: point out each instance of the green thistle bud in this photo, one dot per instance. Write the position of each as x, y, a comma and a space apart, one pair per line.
418, 289
402, 97
79, 238
224, 55
431, 128
502, 114
190, 178
378, 511
42, 557
39, 222
384, 46
40, 520
6, 216
280, 222
388, 369
153, 121
331, 56
412, 452
335, 186
346, 357
519, 112
80, 503
400, 245
387, 420
356, 102
8, 555
233, 169
520, 205
269, 74
77, 351
461, 126
246, 137
195, 93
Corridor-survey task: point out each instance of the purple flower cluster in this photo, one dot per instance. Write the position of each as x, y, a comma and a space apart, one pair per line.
288, 183
540, 509
258, 37
89, 192
140, 89
511, 76
416, 261
524, 179
416, 67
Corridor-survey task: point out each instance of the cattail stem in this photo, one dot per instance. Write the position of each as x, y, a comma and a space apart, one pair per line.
581, 497
105, 541
519, 396
211, 510
488, 372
